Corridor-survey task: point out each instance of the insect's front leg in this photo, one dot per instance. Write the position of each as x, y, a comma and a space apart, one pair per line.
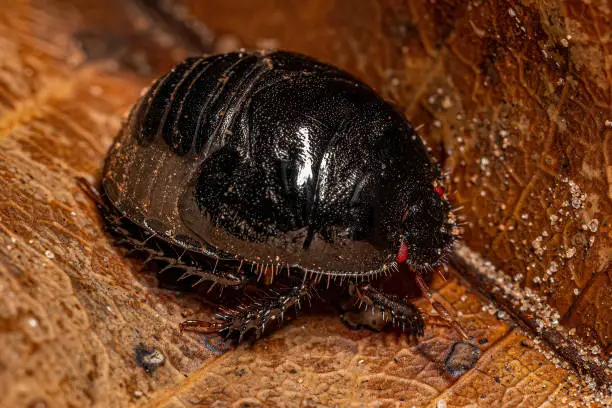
399, 312
439, 307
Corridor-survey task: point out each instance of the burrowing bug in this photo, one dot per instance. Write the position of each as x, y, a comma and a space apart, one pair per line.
236, 166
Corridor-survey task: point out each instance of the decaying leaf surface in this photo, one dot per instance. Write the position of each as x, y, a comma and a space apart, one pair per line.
76, 315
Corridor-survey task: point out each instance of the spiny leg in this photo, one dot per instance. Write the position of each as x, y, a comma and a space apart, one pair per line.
256, 314
429, 319
439, 307
402, 312
224, 278
137, 241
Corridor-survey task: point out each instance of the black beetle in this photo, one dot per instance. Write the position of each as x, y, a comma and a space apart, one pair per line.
274, 164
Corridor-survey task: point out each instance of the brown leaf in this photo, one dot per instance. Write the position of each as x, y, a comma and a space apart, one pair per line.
77, 317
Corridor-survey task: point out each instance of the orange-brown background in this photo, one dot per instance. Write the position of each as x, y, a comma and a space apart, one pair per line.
512, 97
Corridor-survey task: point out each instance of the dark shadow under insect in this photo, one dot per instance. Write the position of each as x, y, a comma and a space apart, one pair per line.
273, 169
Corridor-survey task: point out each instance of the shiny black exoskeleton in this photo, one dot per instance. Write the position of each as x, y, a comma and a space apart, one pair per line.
274, 164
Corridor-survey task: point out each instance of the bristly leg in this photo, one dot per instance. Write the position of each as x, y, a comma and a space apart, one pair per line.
136, 241
255, 315
401, 313
439, 307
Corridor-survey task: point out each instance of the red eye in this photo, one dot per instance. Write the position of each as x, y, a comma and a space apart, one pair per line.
402, 254
439, 191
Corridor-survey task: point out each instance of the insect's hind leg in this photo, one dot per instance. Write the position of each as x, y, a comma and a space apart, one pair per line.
224, 277
401, 313
439, 307
254, 314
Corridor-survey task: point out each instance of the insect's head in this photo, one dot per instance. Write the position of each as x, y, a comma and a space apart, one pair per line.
428, 228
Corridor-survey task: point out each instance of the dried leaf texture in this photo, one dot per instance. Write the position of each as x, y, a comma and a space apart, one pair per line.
78, 319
